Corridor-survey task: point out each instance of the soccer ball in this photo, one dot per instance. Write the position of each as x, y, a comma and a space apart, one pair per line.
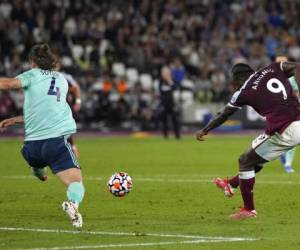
119, 184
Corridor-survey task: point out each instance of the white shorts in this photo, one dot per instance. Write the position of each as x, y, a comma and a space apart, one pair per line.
271, 147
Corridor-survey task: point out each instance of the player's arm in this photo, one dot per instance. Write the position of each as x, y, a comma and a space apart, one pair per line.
292, 68
11, 121
9, 83
289, 68
75, 90
219, 119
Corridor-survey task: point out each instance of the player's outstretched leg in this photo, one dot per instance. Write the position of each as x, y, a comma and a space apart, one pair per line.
247, 181
247, 163
75, 193
40, 173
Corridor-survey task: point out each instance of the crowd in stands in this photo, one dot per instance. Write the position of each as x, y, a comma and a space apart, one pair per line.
199, 40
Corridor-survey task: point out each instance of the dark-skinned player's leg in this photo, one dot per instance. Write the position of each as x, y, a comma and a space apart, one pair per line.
247, 163
228, 185
249, 160
235, 180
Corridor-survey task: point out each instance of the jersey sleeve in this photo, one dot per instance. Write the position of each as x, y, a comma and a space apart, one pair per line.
25, 78
294, 84
237, 100
71, 81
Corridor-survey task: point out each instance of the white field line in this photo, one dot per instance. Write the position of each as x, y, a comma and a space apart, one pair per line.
158, 179
146, 244
196, 239
61, 231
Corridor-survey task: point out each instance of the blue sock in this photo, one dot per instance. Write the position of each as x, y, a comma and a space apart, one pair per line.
282, 159
75, 192
289, 157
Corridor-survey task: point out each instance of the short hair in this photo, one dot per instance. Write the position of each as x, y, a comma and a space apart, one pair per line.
43, 57
240, 70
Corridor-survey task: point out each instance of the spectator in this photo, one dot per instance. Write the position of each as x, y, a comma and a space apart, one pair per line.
167, 104
204, 37
177, 71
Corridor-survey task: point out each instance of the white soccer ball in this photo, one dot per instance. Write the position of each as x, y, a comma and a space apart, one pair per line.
119, 184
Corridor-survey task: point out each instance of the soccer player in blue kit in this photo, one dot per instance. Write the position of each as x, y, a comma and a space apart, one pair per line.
48, 123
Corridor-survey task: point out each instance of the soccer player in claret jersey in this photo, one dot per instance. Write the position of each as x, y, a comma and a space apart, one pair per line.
269, 92
48, 124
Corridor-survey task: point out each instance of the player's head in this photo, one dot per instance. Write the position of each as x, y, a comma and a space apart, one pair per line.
42, 57
240, 72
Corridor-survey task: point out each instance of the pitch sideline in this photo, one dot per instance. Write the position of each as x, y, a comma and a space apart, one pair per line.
147, 244
195, 239
157, 179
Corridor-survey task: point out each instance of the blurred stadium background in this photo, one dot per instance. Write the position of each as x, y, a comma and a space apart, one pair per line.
115, 50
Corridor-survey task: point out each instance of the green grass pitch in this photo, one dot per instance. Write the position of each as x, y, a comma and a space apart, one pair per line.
173, 204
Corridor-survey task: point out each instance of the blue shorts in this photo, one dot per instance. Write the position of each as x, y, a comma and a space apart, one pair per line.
55, 153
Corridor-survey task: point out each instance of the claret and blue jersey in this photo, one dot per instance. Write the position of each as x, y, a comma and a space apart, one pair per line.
270, 93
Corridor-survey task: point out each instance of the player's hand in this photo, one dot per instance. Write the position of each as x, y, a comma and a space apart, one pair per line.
200, 135
76, 107
6, 123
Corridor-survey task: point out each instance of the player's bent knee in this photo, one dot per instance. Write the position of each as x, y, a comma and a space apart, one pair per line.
250, 160
244, 163
70, 175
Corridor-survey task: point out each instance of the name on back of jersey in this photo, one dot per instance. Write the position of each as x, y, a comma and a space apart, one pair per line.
260, 77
